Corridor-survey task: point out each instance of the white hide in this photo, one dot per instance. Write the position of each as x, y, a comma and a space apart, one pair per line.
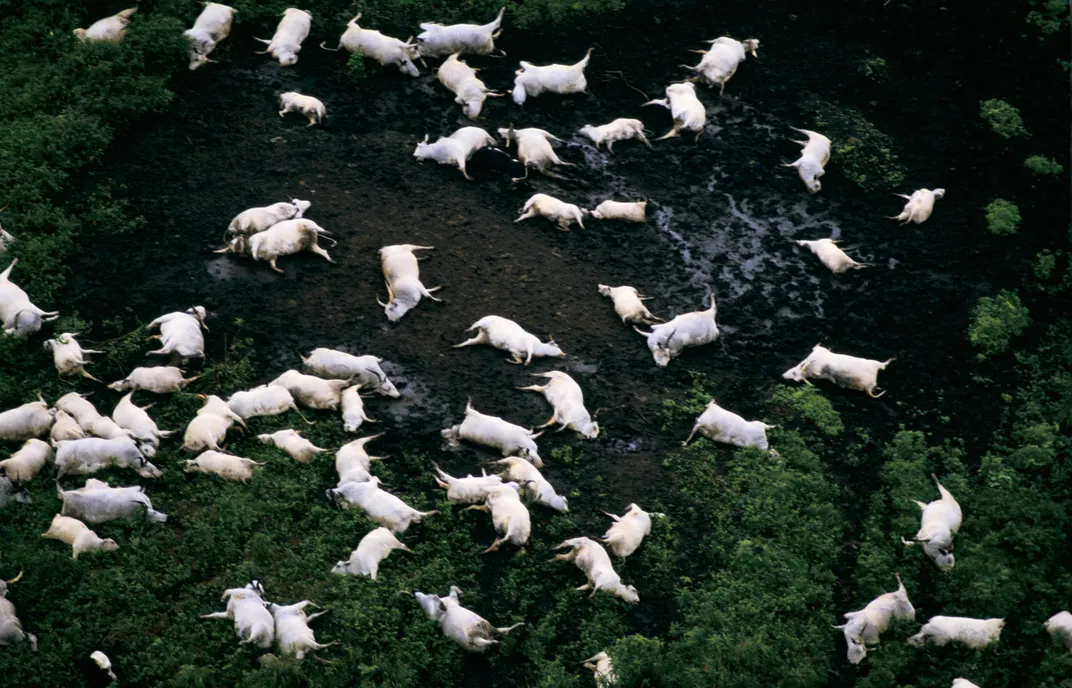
311, 391
209, 427
373, 548
634, 211
629, 305
352, 461
97, 502
461, 625
252, 621
940, 522
667, 340
1060, 627
92, 454
565, 395
10, 625
848, 372
561, 213
111, 29
602, 668
159, 380
307, 106
532, 482
32, 419
534, 150
461, 80
299, 448
353, 410
142, 427
19, 317
382, 507
226, 466
963, 683
105, 664
264, 400
863, 628
455, 149
720, 62
283, 239
255, 220
491, 431
628, 530
590, 557
292, 633
507, 335
621, 129
180, 333
293, 29
211, 26
437, 40
813, 158
468, 490
376, 46
532, 80
73, 532
828, 253
509, 515
28, 461
685, 108
402, 276
975, 634
68, 355
720, 425
65, 428
365, 370
78, 407
920, 205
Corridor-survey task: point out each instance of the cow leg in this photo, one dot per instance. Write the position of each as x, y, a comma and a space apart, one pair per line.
479, 339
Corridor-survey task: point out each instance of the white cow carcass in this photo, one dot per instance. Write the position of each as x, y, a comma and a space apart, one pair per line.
720, 425
828, 253
310, 108
534, 150
1060, 627
78, 535
180, 333
972, 633
567, 399
111, 29
353, 410
141, 426
78, 407
402, 276
491, 431
628, 530
863, 628
209, 29
685, 108
209, 427
461, 625
509, 515
848, 372
561, 213
507, 335
940, 522
352, 461
10, 626
365, 370
812, 160
293, 29
532, 482
437, 40
719, 63
19, 317
28, 461
282, 239
468, 490
264, 400
292, 633
226, 466
533, 80
382, 507
92, 454
252, 621
631, 211
68, 355
621, 129
376, 46
103, 663
256, 220
455, 149
920, 205
311, 391
629, 305
299, 448
963, 683
373, 549
65, 427
461, 80
32, 419
667, 340
98, 502
603, 669
159, 380
590, 557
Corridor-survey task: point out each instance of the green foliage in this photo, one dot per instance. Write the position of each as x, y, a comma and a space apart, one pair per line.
355, 66
865, 155
1002, 217
874, 68
694, 403
1002, 117
807, 403
1041, 166
996, 320
1048, 15
1045, 265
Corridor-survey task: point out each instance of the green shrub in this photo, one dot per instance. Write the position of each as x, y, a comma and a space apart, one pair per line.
1002, 217
1003, 118
809, 404
1042, 166
1045, 265
863, 153
1049, 16
996, 320
873, 68
355, 66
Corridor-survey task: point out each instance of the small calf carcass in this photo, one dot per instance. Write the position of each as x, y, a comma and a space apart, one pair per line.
719, 63
352, 461
507, 335
209, 427
720, 425
10, 627
211, 26
836, 260
437, 40
311, 391
529, 479
940, 522
28, 461
848, 372
688, 112
667, 340
292, 633
972, 633
159, 380
864, 627
402, 275
65, 428
92, 454
142, 427
309, 107
812, 160
180, 333
103, 663
590, 557
919, 207
293, 29
364, 370
69, 356
561, 213
634, 211
491, 431
353, 409
628, 530
282, 239
469, 91
1060, 627
226, 466
73, 532
256, 220
461, 625
565, 395
111, 29
19, 317
265, 400
98, 502
455, 149
32, 419
532, 80
621, 129
467, 490
375, 45
534, 150
629, 305
603, 669
373, 548
299, 448
382, 507
252, 621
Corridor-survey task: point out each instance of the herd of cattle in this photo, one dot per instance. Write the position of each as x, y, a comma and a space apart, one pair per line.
82, 441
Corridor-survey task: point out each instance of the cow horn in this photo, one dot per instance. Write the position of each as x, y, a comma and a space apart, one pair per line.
382, 304
17, 578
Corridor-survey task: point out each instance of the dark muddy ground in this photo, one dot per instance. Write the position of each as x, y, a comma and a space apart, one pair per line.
722, 217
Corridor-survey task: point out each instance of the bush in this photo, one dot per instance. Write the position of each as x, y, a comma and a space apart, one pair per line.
873, 68
809, 404
1002, 217
1049, 16
1043, 166
996, 320
1003, 118
355, 66
865, 155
